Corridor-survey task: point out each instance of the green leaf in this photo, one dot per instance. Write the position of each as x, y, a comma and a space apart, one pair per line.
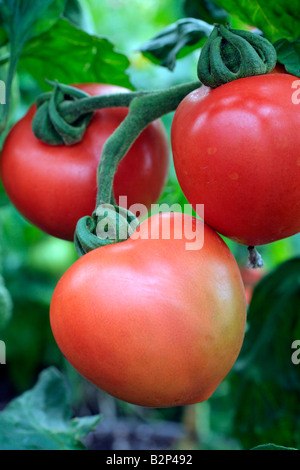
265, 383
288, 54
40, 419
277, 19
70, 55
25, 19
205, 10
52, 47
176, 41
22, 21
272, 447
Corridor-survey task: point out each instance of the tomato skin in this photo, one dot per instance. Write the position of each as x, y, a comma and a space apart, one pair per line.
54, 186
148, 327
236, 150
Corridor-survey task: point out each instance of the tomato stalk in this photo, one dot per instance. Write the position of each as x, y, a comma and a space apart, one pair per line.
143, 110
62, 118
63, 115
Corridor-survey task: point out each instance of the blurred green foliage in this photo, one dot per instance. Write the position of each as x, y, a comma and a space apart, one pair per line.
276, 19
266, 381
32, 263
41, 419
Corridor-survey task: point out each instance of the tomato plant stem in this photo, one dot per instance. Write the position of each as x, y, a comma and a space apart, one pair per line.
71, 111
143, 110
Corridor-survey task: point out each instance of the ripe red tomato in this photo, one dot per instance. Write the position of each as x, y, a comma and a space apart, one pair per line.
149, 327
236, 150
53, 187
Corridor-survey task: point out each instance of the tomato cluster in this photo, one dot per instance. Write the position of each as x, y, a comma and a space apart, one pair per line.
148, 320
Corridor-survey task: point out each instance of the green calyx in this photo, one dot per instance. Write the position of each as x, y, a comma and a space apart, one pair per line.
230, 54
50, 126
109, 224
